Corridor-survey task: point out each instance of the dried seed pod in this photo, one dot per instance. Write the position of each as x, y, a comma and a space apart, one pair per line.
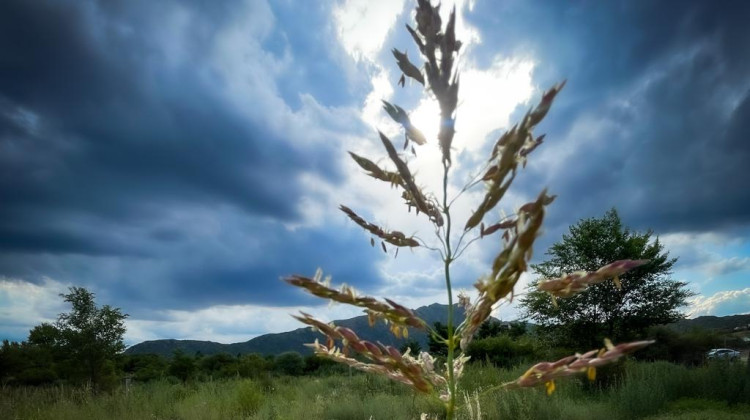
546, 372
375, 171
420, 202
376, 309
400, 116
576, 282
393, 237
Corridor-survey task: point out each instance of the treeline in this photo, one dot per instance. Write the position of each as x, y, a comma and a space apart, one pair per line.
29, 364
499, 344
517, 345
185, 367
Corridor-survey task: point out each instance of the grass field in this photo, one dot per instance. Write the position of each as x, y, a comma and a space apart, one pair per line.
633, 390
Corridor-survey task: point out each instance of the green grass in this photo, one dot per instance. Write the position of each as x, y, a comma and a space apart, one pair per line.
637, 390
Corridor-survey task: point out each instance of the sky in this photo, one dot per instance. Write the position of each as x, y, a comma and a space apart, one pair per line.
177, 158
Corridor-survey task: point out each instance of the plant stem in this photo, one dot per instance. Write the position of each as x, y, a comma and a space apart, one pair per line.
447, 261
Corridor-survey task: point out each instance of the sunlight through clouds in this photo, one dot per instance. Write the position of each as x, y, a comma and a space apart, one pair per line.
363, 25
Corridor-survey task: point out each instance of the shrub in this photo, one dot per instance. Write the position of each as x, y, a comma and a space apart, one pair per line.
501, 351
249, 397
289, 363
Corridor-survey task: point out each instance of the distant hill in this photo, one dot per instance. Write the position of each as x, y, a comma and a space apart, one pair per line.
722, 323
295, 340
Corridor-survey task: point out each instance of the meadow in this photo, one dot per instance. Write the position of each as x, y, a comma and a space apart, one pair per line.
652, 390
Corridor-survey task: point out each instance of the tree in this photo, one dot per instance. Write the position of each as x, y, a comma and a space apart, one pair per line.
89, 336
182, 366
289, 363
647, 295
436, 346
412, 346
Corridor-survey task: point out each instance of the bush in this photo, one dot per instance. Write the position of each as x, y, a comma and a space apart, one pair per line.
249, 397
182, 366
253, 365
688, 348
501, 351
289, 363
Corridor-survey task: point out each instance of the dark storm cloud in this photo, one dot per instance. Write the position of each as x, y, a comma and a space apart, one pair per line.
654, 117
115, 157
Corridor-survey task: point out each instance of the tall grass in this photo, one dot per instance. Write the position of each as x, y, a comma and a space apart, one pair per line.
661, 390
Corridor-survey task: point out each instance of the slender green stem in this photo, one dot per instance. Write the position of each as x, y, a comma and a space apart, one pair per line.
447, 261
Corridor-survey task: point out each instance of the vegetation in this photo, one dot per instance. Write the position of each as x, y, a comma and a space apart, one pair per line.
646, 390
644, 297
80, 347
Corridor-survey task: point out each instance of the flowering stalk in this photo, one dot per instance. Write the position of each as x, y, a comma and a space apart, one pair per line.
438, 47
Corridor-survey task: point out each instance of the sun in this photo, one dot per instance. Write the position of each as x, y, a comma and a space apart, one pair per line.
426, 117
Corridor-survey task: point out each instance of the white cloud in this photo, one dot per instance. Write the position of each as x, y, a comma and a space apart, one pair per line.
362, 25
229, 323
729, 302
726, 266
706, 253
24, 305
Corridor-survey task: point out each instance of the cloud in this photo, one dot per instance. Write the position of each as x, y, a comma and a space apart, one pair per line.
362, 26
729, 302
181, 157
227, 323
157, 161
23, 305
651, 117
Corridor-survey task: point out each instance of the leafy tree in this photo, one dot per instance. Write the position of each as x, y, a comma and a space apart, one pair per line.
145, 367
647, 295
253, 365
412, 345
182, 366
289, 363
435, 346
500, 350
219, 365
89, 336
493, 328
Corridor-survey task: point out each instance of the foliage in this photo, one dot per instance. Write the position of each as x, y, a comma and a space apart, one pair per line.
647, 389
82, 346
253, 365
435, 345
144, 367
644, 297
688, 348
182, 367
289, 363
89, 336
219, 365
501, 350
412, 346
492, 328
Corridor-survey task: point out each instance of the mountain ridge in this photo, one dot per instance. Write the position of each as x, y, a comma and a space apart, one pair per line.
295, 340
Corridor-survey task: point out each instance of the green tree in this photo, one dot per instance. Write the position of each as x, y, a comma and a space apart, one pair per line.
412, 345
89, 337
435, 345
289, 363
219, 365
183, 366
647, 296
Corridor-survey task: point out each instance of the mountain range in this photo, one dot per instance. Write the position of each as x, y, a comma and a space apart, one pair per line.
295, 340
